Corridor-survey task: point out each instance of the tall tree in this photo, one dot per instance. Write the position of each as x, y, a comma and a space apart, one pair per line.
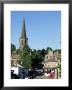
13, 48
37, 58
26, 57
43, 52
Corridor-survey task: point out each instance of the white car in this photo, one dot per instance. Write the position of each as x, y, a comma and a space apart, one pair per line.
47, 74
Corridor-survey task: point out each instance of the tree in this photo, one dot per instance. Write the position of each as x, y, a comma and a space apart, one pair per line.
48, 48
37, 58
59, 66
18, 51
43, 52
26, 62
13, 48
26, 57
59, 51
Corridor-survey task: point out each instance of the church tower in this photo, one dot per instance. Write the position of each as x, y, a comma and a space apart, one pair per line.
23, 38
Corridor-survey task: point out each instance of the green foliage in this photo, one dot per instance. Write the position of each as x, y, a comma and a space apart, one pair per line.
18, 51
26, 57
26, 62
59, 66
36, 58
43, 52
59, 51
31, 58
60, 73
13, 48
48, 68
48, 48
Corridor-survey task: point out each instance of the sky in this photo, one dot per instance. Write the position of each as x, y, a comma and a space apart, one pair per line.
43, 28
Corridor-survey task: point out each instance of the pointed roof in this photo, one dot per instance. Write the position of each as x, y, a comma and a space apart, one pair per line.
23, 33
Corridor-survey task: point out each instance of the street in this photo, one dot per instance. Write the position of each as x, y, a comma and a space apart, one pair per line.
41, 77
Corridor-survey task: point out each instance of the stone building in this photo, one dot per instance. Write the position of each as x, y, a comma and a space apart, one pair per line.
51, 59
23, 40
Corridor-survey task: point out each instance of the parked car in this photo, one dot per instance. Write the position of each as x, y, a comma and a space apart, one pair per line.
32, 74
39, 70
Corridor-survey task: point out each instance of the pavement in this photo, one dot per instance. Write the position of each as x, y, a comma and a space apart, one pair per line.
41, 77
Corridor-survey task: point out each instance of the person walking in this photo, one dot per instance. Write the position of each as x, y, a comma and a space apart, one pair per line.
52, 74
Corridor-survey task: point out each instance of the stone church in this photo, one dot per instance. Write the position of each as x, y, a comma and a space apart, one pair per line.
23, 40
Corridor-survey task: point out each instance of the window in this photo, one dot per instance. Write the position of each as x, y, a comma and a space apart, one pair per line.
46, 57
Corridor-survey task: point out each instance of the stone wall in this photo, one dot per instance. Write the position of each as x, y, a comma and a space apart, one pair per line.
51, 64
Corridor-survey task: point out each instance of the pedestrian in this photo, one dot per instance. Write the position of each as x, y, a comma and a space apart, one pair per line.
52, 74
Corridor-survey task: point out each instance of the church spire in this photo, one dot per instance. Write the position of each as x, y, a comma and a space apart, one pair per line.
23, 33
23, 37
